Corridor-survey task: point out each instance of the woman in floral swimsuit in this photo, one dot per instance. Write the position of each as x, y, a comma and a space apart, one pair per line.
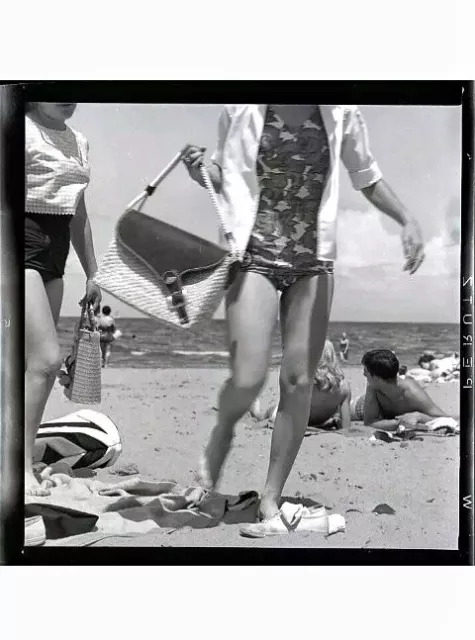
276, 173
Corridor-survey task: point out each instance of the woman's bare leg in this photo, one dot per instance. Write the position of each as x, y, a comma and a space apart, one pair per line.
43, 360
305, 311
251, 313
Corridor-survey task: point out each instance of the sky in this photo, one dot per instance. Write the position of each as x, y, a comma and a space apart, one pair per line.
417, 148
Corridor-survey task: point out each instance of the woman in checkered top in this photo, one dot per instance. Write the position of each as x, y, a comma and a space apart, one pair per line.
56, 177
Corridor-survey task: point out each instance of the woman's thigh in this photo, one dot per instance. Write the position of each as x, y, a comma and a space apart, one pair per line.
305, 312
251, 314
42, 307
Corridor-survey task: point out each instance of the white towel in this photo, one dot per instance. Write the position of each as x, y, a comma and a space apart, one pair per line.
440, 423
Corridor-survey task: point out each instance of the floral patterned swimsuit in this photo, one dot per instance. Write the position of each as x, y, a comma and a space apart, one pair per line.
292, 167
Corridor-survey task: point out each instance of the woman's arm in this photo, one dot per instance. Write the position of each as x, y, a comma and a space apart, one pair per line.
81, 238
345, 413
367, 177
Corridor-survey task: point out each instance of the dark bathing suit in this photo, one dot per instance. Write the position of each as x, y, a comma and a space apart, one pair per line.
292, 167
47, 240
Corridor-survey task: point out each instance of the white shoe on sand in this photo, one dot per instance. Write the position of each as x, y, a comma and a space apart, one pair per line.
295, 518
35, 532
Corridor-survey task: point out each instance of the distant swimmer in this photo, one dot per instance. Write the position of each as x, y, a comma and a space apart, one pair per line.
107, 329
344, 347
391, 401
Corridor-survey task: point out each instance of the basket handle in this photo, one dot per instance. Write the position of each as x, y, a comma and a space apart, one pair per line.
138, 202
227, 232
86, 320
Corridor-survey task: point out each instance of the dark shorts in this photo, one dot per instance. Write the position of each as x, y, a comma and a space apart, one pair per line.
282, 277
47, 239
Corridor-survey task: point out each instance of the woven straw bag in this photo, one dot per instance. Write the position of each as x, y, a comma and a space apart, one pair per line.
84, 363
163, 271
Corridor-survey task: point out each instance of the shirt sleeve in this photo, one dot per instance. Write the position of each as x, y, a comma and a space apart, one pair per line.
223, 128
83, 144
355, 151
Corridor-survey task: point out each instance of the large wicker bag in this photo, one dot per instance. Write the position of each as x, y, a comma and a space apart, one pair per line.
84, 364
163, 271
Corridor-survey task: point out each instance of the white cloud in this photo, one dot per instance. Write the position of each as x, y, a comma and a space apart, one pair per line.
364, 242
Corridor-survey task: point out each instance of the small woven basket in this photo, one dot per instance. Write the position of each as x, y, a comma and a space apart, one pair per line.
84, 363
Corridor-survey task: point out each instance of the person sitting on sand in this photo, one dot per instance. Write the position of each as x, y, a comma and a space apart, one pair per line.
331, 395
391, 401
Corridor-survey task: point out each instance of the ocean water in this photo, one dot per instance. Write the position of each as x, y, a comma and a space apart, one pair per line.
146, 344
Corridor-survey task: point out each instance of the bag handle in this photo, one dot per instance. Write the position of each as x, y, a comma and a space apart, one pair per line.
227, 232
86, 321
138, 202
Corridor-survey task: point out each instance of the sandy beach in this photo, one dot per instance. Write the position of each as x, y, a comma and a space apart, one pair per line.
165, 415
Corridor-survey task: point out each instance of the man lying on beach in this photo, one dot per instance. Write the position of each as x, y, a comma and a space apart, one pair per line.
390, 401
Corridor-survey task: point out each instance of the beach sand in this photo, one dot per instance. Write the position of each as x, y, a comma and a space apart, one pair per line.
165, 415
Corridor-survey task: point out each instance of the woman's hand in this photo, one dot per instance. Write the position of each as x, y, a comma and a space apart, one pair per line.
93, 295
193, 158
413, 246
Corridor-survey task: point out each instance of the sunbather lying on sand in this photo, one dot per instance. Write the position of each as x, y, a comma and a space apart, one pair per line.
331, 396
391, 401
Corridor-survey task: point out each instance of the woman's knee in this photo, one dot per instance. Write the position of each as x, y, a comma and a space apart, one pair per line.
46, 361
294, 381
248, 383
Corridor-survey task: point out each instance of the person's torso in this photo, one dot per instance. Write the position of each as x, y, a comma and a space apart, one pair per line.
292, 168
325, 403
106, 323
56, 169
241, 186
399, 402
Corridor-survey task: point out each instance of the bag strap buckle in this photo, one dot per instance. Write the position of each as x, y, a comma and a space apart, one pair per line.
173, 283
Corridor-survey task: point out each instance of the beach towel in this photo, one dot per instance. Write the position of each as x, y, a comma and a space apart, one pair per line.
443, 426
93, 510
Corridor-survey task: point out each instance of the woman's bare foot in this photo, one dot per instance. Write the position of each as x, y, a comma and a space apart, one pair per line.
33, 487
214, 456
268, 508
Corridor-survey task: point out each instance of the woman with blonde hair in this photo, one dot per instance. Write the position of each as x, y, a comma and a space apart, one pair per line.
331, 396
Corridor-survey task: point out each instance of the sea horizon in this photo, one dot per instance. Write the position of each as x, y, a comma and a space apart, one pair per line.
146, 343
133, 318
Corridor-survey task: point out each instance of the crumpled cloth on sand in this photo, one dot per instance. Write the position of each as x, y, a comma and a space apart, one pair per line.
88, 509
438, 426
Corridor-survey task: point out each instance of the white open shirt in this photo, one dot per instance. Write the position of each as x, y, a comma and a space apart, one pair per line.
239, 133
